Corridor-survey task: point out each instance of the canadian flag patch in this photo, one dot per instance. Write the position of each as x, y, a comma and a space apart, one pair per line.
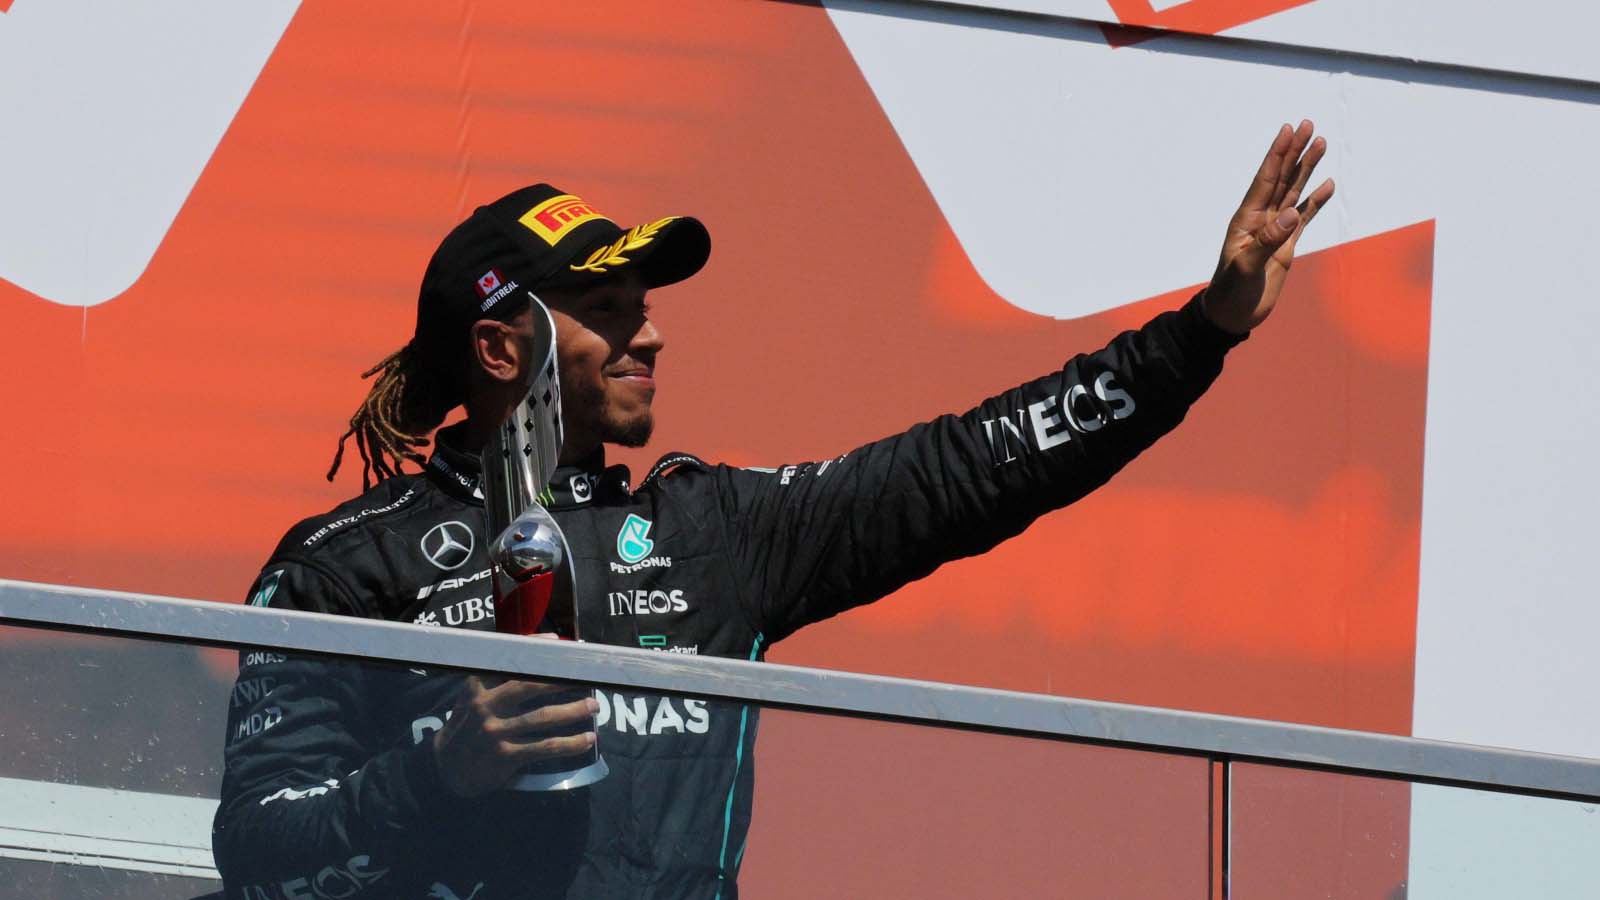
489, 283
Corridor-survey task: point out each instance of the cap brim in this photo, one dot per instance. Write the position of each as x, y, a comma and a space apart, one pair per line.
678, 250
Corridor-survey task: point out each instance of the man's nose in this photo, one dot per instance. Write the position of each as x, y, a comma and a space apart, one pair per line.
647, 339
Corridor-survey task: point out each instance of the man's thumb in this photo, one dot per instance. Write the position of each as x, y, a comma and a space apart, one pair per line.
1274, 233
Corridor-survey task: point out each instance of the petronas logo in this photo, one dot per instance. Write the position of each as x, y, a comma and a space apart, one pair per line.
633, 541
269, 586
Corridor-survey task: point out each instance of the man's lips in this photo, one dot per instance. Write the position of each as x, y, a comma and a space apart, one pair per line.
640, 377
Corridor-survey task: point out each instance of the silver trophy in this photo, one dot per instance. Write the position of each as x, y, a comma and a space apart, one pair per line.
535, 587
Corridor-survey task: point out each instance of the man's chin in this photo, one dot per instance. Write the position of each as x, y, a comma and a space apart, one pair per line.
631, 432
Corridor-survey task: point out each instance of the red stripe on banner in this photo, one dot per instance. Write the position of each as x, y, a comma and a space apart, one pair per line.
1142, 21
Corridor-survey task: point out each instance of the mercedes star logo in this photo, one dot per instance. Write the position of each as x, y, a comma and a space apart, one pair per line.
448, 545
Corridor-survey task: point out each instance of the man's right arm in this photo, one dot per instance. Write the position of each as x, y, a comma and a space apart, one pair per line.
308, 792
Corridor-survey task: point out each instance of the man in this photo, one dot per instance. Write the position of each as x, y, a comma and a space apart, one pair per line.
365, 781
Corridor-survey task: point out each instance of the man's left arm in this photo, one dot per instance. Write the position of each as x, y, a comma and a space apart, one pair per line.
816, 539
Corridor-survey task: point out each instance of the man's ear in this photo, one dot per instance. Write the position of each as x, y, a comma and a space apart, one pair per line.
496, 351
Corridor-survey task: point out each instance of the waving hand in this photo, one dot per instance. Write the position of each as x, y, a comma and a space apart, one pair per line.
1259, 248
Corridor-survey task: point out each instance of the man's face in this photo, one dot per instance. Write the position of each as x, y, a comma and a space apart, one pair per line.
606, 346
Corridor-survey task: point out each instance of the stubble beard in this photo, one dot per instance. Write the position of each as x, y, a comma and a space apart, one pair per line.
630, 432
611, 426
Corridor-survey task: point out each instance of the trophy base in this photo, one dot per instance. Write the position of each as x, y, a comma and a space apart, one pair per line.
562, 781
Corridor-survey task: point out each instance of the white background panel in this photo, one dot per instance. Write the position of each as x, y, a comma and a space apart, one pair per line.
122, 105
1079, 177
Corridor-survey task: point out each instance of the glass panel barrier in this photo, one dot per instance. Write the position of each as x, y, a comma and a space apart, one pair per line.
1470, 845
1298, 833
111, 768
853, 808
111, 712
109, 765
53, 880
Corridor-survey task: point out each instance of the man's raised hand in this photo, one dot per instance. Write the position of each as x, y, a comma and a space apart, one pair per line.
1259, 248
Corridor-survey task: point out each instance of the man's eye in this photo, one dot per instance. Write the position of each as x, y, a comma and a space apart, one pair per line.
619, 307
623, 309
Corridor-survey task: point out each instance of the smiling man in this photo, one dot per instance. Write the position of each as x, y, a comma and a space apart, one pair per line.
392, 783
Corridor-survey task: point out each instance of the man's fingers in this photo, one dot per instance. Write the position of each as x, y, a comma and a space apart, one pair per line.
546, 718
513, 696
1287, 172
1266, 180
1303, 171
567, 745
1314, 203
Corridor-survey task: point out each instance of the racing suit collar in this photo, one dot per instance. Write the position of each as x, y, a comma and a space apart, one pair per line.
461, 474
458, 472
587, 481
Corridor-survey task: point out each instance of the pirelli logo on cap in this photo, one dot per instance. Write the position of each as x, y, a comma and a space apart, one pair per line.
555, 218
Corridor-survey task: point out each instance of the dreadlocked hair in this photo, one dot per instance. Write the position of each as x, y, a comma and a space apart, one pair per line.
409, 399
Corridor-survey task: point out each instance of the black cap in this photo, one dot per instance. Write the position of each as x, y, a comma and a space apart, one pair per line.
538, 237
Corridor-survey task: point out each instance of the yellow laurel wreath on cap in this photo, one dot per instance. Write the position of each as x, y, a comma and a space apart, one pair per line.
611, 254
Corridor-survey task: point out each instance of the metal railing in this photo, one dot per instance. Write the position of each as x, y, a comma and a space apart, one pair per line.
801, 689
1222, 739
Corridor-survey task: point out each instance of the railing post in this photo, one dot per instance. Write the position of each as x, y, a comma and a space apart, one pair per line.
1218, 811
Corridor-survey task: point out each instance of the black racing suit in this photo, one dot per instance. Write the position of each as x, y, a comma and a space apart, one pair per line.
331, 789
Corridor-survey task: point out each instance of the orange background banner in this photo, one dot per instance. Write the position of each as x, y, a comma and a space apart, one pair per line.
1261, 561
